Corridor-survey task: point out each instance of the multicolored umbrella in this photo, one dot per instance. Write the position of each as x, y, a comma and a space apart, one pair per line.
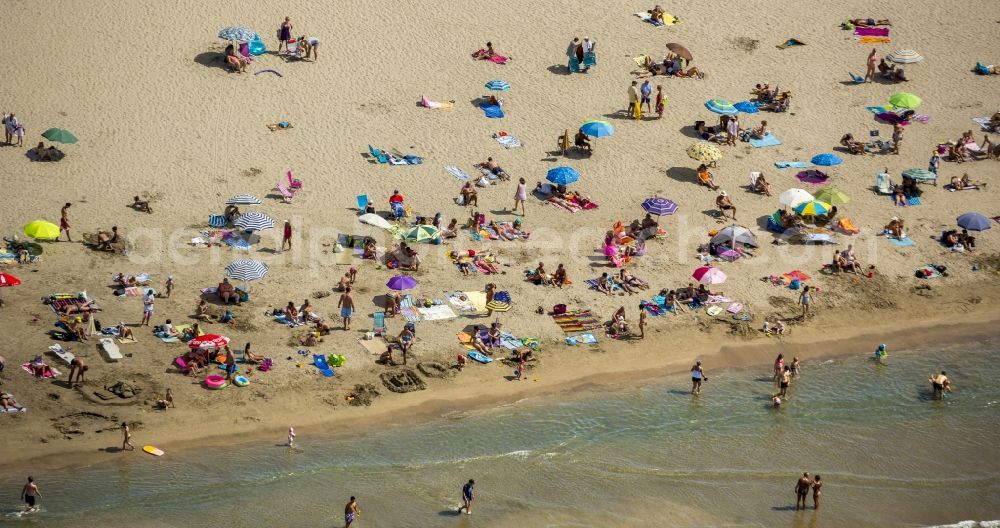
6, 279
237, 34
246, 270
793, 197
401, 282
919, 175
905, 100
813, 208
597, 128
832, 195
208, 341
680, 51
901, 56
974, 222
704, 152
747, 107
254, 221
42, 230
243, 199
421, 233
721, 106
59, 135
709, 275
562, 175
659, 206
498, 85
826, 159
498, 306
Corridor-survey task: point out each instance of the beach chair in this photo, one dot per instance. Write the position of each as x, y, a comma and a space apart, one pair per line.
378, 154
398, 210
857, 79
883, 185
363, 201
753, 181
564, 142
294, 50
319, 361
294, 184
774, 223
378, 323
286, 194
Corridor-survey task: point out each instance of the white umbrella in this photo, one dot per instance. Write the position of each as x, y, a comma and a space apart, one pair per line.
373, 219
793, 197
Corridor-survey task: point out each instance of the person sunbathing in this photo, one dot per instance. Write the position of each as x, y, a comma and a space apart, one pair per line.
704, 132
141, 206
125, 281
605, 284
853, 145
779, 104
559, 278
477, 340
191, 332
124, 332
898, 195
964, 183
693, 72
847, 262
75, 327
706, 178
8, 403
486, 53
582, 141
761, 90
483, 263
895, 228
43, 153
623, 285
540, 276
250, 357
452, 230
967, 240
494, 169
228, 293
724, 204
761, 131
201, 312
493, 335
291, 312
671, 302
469, 195
625, 277
761, 185
870, 22
368, 249
306, 311
703, 293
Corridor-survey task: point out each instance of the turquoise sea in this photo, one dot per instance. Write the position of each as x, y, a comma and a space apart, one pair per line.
637, 456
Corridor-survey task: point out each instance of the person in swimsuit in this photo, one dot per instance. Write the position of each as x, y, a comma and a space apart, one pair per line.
405, 341
127, 438
697, 377
351, 512
779, 366
802, 490
804, 300
28, 494
938, 384
872, 63
346, 305
816, 492
795, 367
468, 495
520, 196
786, 378
64, 221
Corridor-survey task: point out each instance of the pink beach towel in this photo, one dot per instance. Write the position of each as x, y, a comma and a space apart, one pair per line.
871, 31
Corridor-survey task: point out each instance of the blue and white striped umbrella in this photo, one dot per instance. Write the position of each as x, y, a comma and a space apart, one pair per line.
237, 34
243, 199
246, 270
254, 222
659, 206
498, 85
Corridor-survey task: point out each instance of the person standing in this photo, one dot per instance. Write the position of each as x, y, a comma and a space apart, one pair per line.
169, 286
491, 290
351, 512
697, 377
286, 237
805, 298
589, 55
786, 378
147, 307
571, 54
520, 196
779, 366
634, 109
646, 93
802, 490
642, 322
28, 494
660, 101
64, 221
938, 385
934, 163
468, 495
7, 131
897, 137
291, 436
346, 305
284, 34
872, 64
15, 129
230, 364
795, 367
732, 130
127, 437
817, 484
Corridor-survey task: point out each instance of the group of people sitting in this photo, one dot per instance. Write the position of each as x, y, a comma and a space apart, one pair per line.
671, 65
472, 260
770, 99
965, 149
846, 260
624, 279
891, 72
541, 277
43, 153
402, 257
958, 241
560, 195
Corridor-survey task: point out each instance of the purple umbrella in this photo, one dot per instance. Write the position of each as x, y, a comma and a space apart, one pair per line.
813, 177
401, 282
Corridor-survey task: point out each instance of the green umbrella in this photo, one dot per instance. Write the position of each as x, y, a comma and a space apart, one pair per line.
59, 135
831, 195
904, 100
421, 233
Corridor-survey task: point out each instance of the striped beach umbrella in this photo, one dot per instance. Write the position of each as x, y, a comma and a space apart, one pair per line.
826, 159
42, 230
243, 199
421, 233
562, 175
498, 306
812, 208
704, 152
902, 56
401, 282
208, 341
237, 34
498, 85
246, 270
923, 175
709, 275
659, 206
832, 195
597, 128
793, 197
904, 100
254, 222
721, 106
747, 107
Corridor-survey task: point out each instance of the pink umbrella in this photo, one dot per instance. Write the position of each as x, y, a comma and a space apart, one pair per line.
709, 275
208, 341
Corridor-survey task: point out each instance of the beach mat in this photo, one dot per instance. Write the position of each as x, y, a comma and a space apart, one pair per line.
871, 31
769, 140
576, 321
456, 172
582, 339
984, 123
906, 242
478, 300
508, 142
437, 312
492, 111
792, 164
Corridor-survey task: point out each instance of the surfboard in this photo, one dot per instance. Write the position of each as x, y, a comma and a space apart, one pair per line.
153, 450
475, 355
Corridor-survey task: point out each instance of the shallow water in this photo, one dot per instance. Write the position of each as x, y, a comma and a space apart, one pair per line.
650, 456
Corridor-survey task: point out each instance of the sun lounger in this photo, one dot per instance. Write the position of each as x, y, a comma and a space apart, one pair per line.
62, 353
286, 193
378, 323
857, 79
847, 226
110, 349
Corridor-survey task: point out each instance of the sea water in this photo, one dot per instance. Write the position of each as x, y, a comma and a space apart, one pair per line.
648, 455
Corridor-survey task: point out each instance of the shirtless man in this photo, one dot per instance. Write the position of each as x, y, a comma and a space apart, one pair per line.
351, 512
64, 221
725, 204
28, 493
346, 305
938, 384
802, 490
127, 438
495, 169
345, 282
78, 367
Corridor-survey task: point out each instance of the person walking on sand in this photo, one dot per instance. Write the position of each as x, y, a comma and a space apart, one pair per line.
346, 305
30, 495
468, 495
872, 64
697, 377
15, 129
802, 490
127, 438
351, 512
147, 307
286, 237
646, 92
660, 101
817, 484
64, 221
520, 196
634, 109
805, 298
284, 34
897, 137
169, 286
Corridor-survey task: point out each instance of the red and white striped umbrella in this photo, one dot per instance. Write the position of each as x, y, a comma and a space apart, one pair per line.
208, 341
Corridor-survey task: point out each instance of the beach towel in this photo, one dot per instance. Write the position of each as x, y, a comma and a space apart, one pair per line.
792, 164
906, 242
770, 140
456, 172
874, 40
878, 109
62, 353
789, 43
914, 201
871, 31
437, 312
593, 284
582, 339
640, 61
508, 142
375, 346
462, 305
434, 105
652, 308
984, 123
576, 321
409, 312
49, 372
492, 111
12, 410
927, 272
510, 341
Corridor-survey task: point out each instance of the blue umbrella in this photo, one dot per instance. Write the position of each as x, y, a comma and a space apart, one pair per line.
747, 107
659, 206
974, 222
826, 159
597, 128
498, 86
502, 296
237, 33
562, 175
721, 106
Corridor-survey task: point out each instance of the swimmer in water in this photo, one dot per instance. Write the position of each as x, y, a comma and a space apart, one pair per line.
880, 353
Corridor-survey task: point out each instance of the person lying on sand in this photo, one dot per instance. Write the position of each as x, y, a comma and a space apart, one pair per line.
8, 402
704, 131
141, 206
870, 22
965, 183
626, 277
494, 169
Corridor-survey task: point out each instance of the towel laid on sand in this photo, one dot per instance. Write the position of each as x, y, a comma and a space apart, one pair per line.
508, 142
871, 31
492, 111
456, 172
770, 140
873, 40
906, 242
792, 164
984, 123
582, 339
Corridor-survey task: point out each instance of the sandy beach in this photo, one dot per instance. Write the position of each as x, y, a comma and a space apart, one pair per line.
157, 114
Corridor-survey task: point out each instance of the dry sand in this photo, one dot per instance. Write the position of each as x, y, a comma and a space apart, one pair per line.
157, 115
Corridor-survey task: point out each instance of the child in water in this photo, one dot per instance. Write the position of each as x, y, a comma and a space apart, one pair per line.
880, 353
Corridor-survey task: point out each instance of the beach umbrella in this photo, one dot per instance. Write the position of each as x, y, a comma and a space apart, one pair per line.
208, 341
421, 233
502, 296
254, 222
237, 34
41, 230
812, 176
498, 306
919, 174
905, 100
680, 51
659, 206
59, 135
373, 219
597, 128
812, 208
246, 270
901, 56
401, 282
974, 222
832, 195
793, 197
498, 85
562, 175
709, 275
6, 279
704, 152
243, 199
721, 106
735, 234
826, 159
747, 107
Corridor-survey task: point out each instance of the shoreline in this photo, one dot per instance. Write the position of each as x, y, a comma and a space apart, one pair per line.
423, 407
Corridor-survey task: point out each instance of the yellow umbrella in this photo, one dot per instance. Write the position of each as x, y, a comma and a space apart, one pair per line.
42, 230
704, 152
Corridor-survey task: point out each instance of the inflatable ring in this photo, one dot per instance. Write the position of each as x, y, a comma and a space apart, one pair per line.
241, 381
215, 382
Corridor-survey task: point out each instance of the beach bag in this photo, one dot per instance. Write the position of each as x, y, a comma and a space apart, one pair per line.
460, 200
559, 309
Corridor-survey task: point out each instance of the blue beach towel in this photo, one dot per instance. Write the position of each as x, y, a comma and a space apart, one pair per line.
492, 111
792, 164
877, 109
769, 140
582, 339
906, 242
